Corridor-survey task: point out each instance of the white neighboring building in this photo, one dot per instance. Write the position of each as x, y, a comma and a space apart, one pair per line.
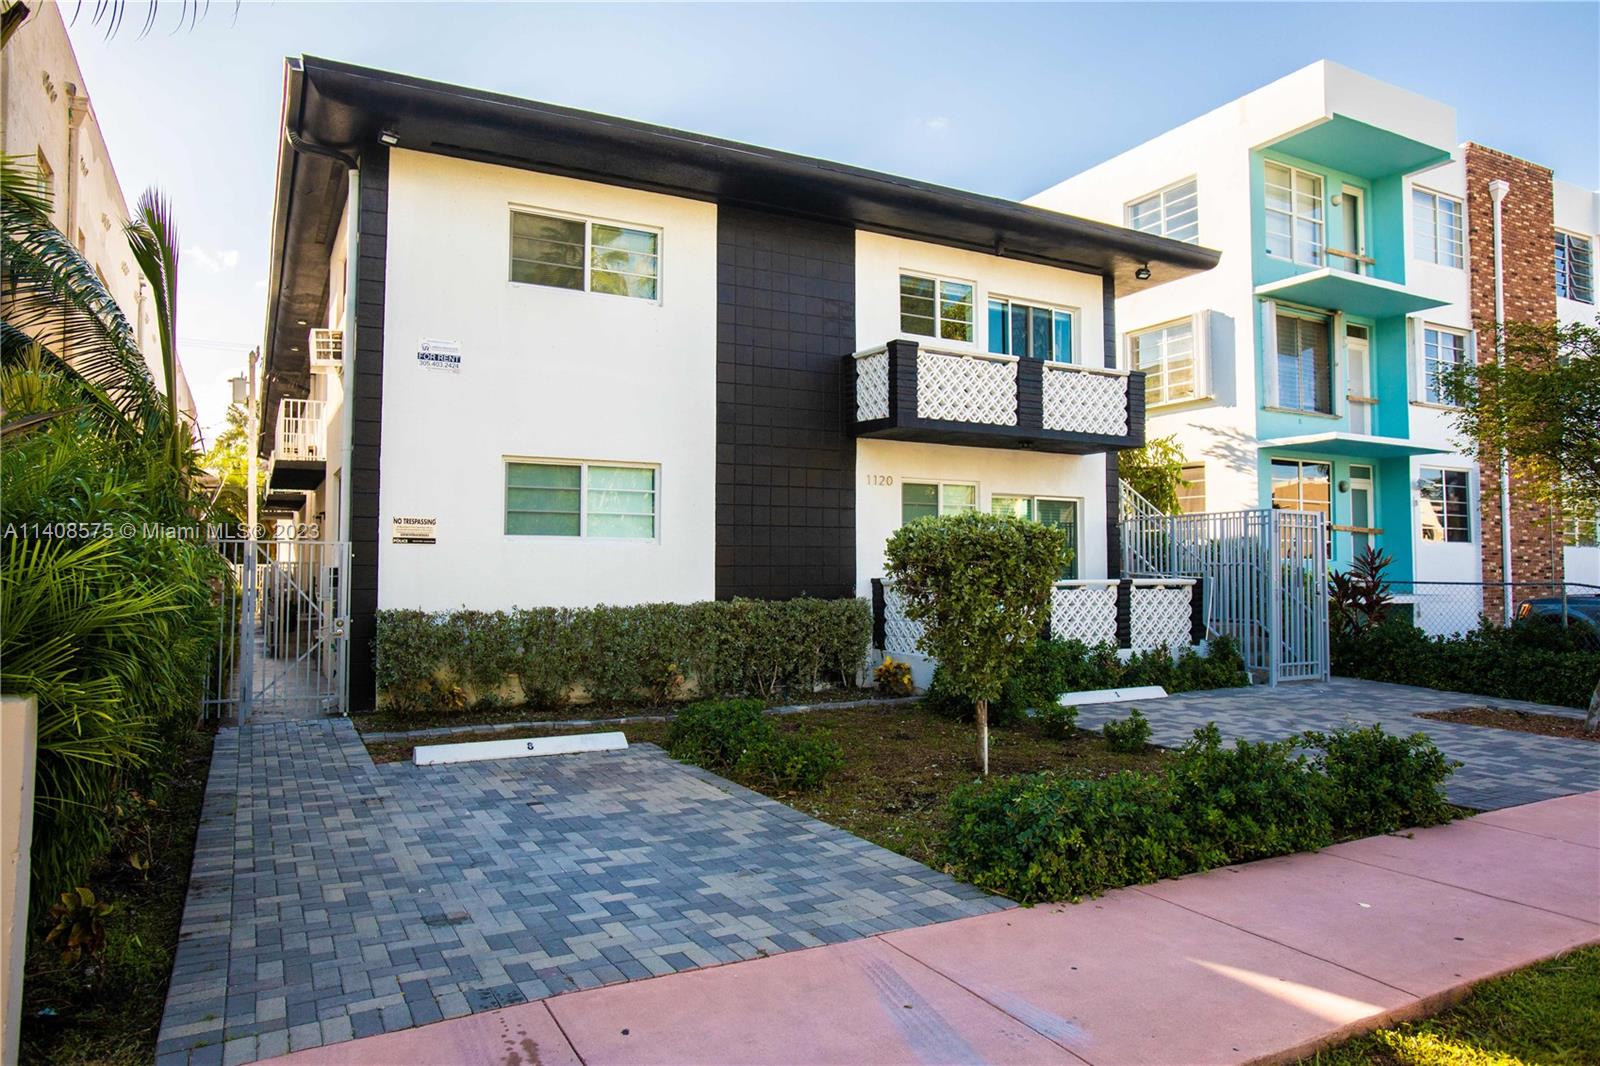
1356, 247
49, 120
521, 355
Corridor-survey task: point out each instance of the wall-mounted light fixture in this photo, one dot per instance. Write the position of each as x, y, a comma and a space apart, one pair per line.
1344, 485
1143, 273
389, 137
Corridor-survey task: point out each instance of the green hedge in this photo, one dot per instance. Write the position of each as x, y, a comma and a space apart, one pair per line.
738, 738
1051, 668
1541, 663
1038, 837
653, 652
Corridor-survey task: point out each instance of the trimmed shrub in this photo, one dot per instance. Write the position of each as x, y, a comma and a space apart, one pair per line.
737, 737
1040, 837
655, 652
1047, 837
1247, 801
1378, 782
1055, 721
1128, 736
1526, 661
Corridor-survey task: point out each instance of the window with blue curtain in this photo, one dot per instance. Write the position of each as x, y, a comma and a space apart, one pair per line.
1030, 332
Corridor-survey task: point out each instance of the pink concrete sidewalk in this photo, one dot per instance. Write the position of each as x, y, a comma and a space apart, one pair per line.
1264, 961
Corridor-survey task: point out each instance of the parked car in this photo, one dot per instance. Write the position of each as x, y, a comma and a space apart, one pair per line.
1582, 612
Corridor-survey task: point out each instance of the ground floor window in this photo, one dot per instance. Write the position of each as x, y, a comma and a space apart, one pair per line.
550, 499
1063, 514
1445, 507
928, 499
1192, 491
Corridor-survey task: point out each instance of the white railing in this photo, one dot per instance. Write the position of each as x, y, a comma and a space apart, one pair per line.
1084, 611
1085, 399
900, 634
872, 384
1160, 612
967, 387
302, 433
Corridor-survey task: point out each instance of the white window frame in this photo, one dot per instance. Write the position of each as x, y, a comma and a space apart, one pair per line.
1033, 506
1444, 499
1441, 251
977, 494
1072, 312
939, 280
1199, 356
1569, 237
1429, 390
1163, 211
589, 223
583, 465
1319, 250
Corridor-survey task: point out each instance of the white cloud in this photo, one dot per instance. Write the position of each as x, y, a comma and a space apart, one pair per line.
934, 124
213, 262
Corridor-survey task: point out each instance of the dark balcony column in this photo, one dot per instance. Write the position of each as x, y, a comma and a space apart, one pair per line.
1030, 394
879, 615
1124, 613
1136, 424
1197, 611
902, 381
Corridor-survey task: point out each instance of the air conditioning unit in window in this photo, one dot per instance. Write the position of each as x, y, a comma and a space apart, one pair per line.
327, 349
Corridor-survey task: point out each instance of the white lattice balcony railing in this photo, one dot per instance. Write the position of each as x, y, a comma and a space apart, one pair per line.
1160, 612
872, 384
1084, 611
967, 387
900, 634
302, 432
1085, 399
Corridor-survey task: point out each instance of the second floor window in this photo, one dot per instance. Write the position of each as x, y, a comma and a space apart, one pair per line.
1441, 349
1295, 217
936, 307
1436, 228
1445, 507
1574, 268
575, 253
1173, 212
1304, 364
1043, 333
1166, 355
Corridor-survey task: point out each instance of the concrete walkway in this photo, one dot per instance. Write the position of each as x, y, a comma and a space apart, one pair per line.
1269, 960
1503, 768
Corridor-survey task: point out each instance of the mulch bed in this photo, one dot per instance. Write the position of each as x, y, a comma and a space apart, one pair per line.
1549, 725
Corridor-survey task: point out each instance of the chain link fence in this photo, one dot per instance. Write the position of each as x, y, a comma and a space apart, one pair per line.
1445, 608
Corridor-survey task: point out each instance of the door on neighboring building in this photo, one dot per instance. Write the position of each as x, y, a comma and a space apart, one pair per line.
1358, 359
1352, 237
1362, 530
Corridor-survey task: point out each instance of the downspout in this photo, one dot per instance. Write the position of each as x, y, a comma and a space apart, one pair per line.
1497, 193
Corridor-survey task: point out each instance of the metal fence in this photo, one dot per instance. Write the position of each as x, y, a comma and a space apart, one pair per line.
1265, 579
1446, 608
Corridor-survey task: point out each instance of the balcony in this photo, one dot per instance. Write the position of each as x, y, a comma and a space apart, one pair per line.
904, 391
299, 446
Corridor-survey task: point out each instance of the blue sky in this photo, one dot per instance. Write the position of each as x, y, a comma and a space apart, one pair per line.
1002, 99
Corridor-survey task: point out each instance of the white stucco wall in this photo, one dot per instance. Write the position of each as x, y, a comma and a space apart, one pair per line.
546, 373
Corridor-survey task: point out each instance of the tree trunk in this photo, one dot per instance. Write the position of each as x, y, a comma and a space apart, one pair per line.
983, 737
1592, 721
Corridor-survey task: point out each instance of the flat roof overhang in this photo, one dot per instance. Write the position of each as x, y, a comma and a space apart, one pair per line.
1362, 149
1353, 445
343, 107
1354, 294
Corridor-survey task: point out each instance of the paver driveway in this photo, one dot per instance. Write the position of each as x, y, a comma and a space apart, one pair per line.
332, 898
1502, 768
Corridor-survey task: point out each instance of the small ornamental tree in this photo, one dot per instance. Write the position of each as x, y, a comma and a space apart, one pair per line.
1156, 472
1540, 409
979, 585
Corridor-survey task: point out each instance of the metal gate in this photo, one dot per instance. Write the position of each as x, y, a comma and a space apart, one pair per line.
1266, 579
282, 649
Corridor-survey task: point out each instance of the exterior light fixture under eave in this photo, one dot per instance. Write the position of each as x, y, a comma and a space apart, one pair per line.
1143, 273
389, 137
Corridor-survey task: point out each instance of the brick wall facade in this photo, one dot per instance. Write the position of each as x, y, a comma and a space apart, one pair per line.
1528, 269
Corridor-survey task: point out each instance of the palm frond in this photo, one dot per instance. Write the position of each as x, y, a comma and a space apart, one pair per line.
154, 239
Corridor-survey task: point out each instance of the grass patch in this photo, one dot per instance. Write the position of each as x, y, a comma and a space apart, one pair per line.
901, 764
1548, 1015
108, 1011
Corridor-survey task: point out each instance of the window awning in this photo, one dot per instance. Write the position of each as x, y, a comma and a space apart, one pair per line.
1354, 445
1354, 294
